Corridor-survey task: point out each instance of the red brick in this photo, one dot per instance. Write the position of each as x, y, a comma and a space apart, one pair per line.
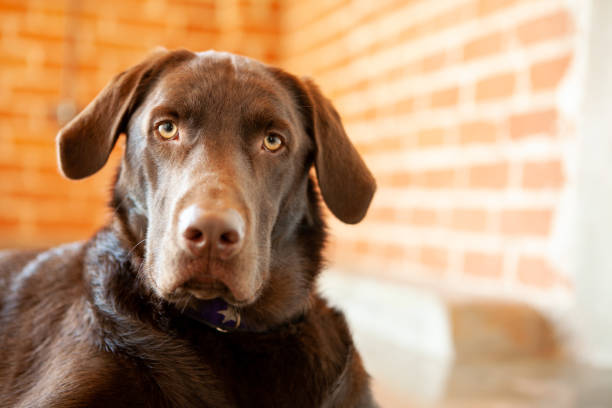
531, 123
495, 87
433, 257
535, 222
445, 98
469, 219
488, 176
483, 265
548, 74
554, 25
483, 46
549, 174
477, 132
536, 271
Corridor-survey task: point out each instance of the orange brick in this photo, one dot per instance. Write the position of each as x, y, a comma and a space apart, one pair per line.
398, 179
488, 176
547, 174
404, 106
434, 257
486, 7
382, 144
361, 247
382, 214
483, 265
495, 87
13, 6
548, 74
536, 271
469, 219
392, 251
445, 98
545, 28
526, 222
483, 46
530, 123
430, 137
477, 132
433, 62
423, 217
8, 223
435, 179
447, 19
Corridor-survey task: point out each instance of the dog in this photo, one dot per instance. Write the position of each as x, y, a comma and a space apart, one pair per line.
201, 289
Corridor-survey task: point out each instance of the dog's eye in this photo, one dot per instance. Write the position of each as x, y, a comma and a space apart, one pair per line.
167, 130
272, 142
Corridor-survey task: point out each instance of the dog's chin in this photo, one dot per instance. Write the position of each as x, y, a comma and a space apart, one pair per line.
194, 291
201, 280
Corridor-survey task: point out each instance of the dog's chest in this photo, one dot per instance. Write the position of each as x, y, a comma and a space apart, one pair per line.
251, 371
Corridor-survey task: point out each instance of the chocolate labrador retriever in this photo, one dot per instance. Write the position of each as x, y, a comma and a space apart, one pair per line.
200, 292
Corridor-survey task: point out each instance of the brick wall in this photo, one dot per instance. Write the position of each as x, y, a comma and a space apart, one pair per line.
455, 106
51, 51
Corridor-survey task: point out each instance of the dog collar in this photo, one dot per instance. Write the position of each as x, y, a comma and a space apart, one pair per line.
218, 314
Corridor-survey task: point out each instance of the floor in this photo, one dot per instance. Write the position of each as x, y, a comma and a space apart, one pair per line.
408, 338
500, 384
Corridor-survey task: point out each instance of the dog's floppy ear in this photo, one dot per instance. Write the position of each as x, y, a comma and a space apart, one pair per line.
84, 144
346, 183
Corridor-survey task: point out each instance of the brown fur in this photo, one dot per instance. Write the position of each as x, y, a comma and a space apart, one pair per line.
100, 323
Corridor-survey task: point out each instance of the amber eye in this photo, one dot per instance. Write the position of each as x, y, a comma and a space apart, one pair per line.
272, 142
167, 130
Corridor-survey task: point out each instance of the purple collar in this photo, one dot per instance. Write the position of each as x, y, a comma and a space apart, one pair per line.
217, 314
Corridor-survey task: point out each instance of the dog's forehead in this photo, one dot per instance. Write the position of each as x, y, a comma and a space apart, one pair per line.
222, 79
212, 70
222, 57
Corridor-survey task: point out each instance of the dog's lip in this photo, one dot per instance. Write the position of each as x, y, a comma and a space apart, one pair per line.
208, 283
207, 291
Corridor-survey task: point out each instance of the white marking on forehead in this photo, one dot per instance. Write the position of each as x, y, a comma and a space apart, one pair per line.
236, 60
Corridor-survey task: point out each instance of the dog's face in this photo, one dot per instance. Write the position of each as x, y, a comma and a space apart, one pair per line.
216, 169
224, 156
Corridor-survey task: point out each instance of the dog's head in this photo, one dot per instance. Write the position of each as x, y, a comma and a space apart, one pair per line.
215, 175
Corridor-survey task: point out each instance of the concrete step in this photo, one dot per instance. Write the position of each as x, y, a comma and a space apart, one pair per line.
411, 337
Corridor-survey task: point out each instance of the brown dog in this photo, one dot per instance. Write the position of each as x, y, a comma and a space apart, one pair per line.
200, 292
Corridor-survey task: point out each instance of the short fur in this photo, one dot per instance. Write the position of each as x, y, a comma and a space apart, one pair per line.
101, 323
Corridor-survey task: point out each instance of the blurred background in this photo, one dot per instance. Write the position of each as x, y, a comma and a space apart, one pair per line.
482, 275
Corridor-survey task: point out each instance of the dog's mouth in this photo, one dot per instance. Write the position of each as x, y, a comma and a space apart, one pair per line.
206, 290
207, 284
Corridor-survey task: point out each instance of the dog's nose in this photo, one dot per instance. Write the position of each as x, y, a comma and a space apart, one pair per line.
221, 232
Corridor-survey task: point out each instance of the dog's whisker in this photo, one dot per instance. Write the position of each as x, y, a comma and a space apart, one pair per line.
134, 247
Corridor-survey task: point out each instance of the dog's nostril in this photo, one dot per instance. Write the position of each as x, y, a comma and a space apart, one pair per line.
229, 238
193, 234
